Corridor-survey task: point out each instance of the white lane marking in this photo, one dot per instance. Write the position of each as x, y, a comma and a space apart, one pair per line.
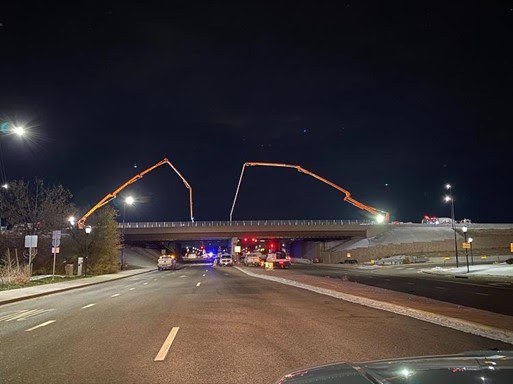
23, 314
482, 294
37, 312
87, 306
500, 284
145, 283
167, 344
40, 325
411, 283
203, 275
206, 270
156, 279
197, 285
183, 276
131, 289
115, 295
440, 288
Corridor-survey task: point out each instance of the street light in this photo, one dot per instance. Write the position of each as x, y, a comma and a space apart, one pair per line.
20, 131
71, 221
471, 240
465, 229
5, 186
450, 199
129, 200
88, 231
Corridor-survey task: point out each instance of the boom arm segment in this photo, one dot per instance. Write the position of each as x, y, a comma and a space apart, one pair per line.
380, 215
113, 194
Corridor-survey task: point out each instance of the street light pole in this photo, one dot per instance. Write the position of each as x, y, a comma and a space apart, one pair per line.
123, 237
465, 229
88, 230
129, 200
454, 230
471, 240
448, 198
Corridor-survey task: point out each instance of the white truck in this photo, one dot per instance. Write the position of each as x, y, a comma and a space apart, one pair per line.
253, 259
166, 262
279, 260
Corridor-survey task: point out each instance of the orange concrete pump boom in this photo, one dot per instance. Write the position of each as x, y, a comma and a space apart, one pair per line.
113, 195
381, 216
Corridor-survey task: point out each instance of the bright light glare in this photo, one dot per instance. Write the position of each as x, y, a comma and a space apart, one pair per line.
464, 229
380, 218
447, 198
470, 239
5, 186
129, 200
71, 220
448, 186
20, 131
405, 372
88, 229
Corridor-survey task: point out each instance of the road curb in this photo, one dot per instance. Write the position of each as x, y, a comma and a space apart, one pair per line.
496, 278
32, 296
503, 335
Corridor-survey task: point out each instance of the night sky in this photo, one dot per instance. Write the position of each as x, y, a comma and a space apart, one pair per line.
389, 100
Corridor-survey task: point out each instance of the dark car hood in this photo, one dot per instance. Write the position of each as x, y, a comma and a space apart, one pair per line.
484, 367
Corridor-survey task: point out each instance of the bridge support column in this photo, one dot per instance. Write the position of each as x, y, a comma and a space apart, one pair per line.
233, 242
305, 249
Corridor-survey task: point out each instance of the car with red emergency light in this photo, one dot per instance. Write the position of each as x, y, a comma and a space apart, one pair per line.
279, 260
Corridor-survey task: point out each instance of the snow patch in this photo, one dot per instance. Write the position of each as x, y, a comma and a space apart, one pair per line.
501, 269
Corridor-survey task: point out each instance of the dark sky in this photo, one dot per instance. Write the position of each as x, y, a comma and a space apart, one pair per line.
389, 100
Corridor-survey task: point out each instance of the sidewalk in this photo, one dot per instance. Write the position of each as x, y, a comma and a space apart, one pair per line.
18, 294
471, 320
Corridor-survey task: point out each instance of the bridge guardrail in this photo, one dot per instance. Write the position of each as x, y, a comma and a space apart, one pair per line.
243, 223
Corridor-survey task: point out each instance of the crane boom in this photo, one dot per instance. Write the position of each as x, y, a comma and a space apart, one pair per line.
109, 197
379, 214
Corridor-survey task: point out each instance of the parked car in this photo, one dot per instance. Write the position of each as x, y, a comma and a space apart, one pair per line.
349, 261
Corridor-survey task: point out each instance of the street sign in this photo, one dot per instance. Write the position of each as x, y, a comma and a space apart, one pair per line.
56, 242
466, 245
31, 241
56, 250
56, 235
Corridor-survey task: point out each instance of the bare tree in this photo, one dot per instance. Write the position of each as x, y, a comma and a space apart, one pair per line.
35, 208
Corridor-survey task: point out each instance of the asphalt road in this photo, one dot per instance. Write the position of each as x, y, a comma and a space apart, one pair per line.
232, 328
484, 294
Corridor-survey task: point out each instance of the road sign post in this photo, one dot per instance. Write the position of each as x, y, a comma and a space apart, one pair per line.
56, 241
30, 243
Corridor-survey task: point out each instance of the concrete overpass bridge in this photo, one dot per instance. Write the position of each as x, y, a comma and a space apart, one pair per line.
224, 230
